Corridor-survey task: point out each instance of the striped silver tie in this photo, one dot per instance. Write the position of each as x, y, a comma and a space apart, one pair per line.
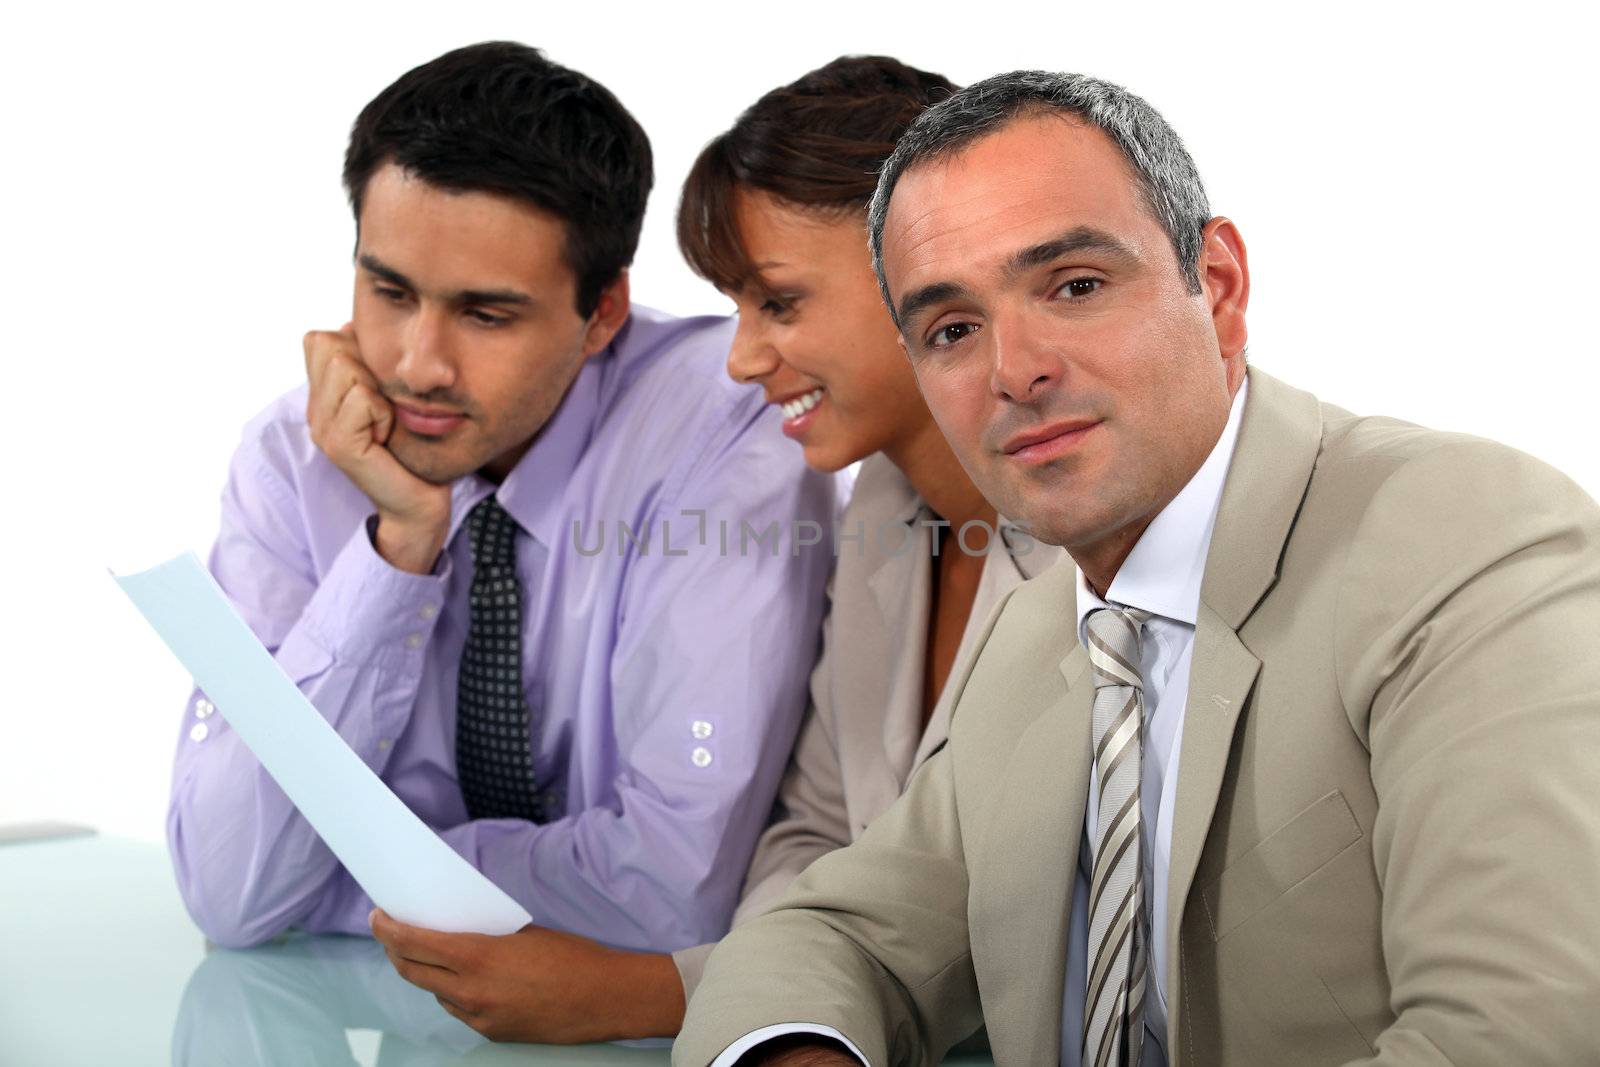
1113, 1014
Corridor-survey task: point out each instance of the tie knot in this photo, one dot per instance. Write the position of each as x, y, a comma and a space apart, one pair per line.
492, 531
1114, 646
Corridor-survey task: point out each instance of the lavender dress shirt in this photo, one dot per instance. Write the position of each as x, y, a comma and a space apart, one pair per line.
667, 637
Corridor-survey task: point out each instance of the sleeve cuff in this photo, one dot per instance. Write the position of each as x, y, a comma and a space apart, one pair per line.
366, 609
691, 964
731, 1054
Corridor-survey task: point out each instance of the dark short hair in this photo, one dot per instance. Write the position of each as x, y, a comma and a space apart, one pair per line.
816, 143
500, 118
1166, 175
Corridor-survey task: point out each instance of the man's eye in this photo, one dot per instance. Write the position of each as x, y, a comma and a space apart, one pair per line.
391, 294
1078, 288
486, 318
947, 335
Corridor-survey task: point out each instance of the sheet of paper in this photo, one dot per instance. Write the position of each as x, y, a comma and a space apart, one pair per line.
400, 862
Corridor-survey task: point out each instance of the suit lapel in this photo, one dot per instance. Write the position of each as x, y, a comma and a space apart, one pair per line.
880, 627
901, 589
1002, 572
1022, 852
1032, 873
1222, 672
1279, 438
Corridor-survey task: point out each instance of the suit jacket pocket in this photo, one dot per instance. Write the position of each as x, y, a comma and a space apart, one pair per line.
1284, 859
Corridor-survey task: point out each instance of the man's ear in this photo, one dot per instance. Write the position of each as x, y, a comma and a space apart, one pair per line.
608, 315
1225, 282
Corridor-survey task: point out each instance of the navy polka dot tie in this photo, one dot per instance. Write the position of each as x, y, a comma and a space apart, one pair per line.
493, 757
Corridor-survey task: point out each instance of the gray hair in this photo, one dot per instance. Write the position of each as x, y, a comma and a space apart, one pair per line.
1166, 175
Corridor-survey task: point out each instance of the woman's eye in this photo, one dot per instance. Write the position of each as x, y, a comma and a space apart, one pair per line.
774, 307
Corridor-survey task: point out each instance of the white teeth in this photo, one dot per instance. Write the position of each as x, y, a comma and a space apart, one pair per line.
800, 405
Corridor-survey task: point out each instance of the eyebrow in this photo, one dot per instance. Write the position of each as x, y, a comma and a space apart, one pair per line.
918, 299
373, 265
1078, 239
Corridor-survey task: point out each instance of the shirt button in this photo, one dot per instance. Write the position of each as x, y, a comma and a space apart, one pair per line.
428, 611
701, 757
203, 708
414, 641
701, 729
383, 744
199, 732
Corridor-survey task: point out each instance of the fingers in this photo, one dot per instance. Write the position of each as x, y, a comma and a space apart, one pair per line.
385, 929
393, 934
477, 1022
488, 1022
434, 948
395, 937
325, 347
382, 419
333, 368
345, 411
443, 984
362, 419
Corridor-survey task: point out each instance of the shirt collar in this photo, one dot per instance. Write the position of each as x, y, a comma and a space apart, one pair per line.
1162, 574
532, 492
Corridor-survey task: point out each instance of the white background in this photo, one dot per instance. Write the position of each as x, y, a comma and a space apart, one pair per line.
1416, 185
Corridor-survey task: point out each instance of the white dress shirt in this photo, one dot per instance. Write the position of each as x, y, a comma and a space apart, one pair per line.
1161, 575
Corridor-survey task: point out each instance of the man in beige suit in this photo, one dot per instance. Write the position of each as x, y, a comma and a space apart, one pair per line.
1321, 790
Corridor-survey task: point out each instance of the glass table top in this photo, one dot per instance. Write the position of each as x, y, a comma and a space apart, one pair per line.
103, 966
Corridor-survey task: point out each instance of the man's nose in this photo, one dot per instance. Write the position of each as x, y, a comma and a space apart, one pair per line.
752, 355
1024, 363
428, 360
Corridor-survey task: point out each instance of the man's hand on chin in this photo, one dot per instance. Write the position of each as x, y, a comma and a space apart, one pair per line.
350, 422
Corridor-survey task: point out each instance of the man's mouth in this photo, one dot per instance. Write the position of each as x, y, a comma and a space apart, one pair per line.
426, 422
1048, 442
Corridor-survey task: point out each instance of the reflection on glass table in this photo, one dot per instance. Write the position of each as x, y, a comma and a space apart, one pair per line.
336, 1001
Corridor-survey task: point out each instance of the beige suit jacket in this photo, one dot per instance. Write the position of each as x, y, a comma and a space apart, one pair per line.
863, 735
1386, 843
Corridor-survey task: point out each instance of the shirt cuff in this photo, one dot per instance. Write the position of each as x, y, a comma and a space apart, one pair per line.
731, 1054
365, 608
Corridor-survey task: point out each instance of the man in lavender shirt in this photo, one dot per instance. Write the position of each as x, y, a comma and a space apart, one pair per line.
654, 529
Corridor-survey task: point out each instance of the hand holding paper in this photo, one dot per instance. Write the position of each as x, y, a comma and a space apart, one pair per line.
400, 863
